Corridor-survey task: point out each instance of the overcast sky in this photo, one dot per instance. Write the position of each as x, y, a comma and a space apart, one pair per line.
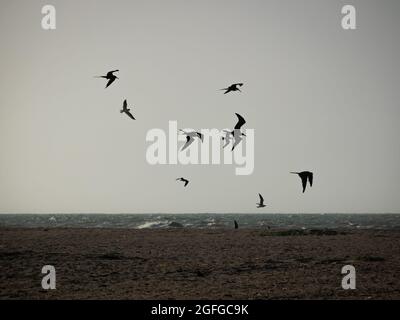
318, 97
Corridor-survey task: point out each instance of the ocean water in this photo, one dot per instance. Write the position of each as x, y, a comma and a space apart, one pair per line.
203, 221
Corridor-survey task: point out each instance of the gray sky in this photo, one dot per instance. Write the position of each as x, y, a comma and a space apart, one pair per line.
319, 98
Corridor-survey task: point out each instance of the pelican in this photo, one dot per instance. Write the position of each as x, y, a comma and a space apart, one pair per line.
304, 175
126, 110
261, 204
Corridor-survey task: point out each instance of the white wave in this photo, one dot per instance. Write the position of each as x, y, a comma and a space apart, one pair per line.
150, 224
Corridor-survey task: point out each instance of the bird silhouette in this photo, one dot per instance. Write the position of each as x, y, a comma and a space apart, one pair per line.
236, 224
183, 180
190, 138
110, 77
236, 133
126, 110
233, 87
305, 175
261, 204
228, 137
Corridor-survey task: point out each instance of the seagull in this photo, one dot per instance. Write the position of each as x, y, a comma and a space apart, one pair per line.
233, 87
304, 175
126, 110
110, 76
236, 133
236, 224
190, 138
261, 204
183, 180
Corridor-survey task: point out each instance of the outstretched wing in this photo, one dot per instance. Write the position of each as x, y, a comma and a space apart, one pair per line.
240, 122
110, 81
304, 182
111, 73
310, 178
186, 182
189, 141
130, 115
261, 199
125, 105
227, 141
237, 139
201, 136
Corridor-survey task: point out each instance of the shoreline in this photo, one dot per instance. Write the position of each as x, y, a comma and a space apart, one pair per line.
181, 263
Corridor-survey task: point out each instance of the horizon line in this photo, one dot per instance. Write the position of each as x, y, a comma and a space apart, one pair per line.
194, 213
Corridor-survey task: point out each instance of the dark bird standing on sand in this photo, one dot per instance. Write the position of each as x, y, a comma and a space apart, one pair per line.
127, 111
235, 133
183, 180
190, 138
233, 87
236, 224
304, 175
261, 204
110, 76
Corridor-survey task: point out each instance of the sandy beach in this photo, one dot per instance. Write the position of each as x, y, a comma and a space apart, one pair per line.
198, 264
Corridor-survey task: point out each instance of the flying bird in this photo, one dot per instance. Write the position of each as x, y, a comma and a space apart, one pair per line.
261, 204
126, 110
110, 76
183, 180
233, 87
190, 138
236, 133
227, 138
305, 175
